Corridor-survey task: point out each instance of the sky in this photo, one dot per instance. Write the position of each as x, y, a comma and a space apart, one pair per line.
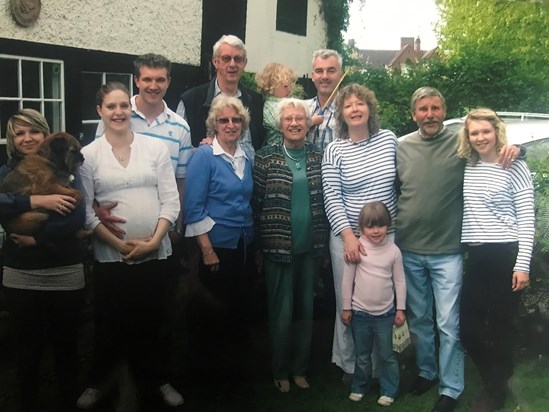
380, 24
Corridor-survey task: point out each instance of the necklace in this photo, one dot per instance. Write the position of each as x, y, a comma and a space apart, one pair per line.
122, 156
297, 161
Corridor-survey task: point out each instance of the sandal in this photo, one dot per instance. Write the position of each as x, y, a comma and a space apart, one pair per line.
302, 382
283, 385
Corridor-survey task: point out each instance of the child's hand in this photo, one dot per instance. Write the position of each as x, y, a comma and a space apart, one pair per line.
346, 316
317, 119
400, 317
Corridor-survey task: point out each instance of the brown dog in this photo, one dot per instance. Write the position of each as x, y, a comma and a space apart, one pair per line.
48, 171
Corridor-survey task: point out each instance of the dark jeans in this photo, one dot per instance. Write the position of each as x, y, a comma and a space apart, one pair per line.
218, 316
37, 315
488, 306
129, 317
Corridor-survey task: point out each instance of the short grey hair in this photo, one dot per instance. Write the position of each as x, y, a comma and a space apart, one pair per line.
423, 92
295, 103
231, 40
325, 54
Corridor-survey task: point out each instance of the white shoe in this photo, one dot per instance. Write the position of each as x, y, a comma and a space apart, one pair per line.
385, 401
170, 396
283, 385
356, 397
302, 382
89, 398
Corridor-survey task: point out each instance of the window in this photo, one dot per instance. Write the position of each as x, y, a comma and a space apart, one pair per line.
291, 16
35, 84
91, 82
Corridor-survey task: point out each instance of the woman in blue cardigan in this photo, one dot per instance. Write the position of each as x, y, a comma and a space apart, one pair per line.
219, 216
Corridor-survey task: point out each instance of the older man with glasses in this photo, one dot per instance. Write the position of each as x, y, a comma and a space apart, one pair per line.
229, 59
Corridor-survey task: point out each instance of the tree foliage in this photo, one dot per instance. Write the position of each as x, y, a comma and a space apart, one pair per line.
498, 51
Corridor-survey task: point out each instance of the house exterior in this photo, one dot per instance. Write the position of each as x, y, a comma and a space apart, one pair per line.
54, 55
409, 53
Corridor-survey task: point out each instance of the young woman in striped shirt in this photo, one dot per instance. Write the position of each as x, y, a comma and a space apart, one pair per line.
498, 229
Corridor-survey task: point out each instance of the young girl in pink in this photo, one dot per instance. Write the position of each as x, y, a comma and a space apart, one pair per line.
369, 289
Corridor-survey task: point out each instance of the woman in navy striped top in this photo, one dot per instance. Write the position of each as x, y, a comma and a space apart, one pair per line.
357, 168
498, 229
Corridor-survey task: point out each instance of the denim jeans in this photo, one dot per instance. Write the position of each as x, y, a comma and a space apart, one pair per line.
368, 329
436, 279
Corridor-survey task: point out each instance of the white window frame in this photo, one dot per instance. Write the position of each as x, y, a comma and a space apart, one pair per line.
41, 99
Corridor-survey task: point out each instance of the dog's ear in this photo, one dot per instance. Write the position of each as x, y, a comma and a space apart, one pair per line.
58, 145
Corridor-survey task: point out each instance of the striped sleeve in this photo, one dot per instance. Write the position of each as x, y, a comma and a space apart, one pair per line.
331, 187
524, 207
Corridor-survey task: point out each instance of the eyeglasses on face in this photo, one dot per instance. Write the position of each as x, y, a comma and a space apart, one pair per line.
290, 119
227, 59
226, 120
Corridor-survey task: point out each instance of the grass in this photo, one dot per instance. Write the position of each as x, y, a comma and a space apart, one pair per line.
529, 385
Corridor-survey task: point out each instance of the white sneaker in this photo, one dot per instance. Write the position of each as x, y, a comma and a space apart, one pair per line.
170, 396
356, 397
385, 401
89, 398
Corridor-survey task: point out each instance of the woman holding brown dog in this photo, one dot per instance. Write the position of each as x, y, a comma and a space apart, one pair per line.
131, 275
43, 277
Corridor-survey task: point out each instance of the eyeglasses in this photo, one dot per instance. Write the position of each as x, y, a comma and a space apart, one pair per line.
290, 119
237, 59
226, 120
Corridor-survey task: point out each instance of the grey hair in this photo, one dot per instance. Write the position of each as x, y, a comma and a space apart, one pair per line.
423, 92
231, 40
326, 53
221, 102
295, 103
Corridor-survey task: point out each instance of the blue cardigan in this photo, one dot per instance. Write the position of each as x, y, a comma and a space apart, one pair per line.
213, 189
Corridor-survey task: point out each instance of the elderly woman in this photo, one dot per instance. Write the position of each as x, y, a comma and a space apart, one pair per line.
357, 168
219, 216
43, 275
498, 229
289, 211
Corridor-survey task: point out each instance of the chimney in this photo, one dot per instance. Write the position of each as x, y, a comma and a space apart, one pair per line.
406, 41
418, 45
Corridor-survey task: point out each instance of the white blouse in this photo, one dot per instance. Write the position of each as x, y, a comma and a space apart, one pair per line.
145, 191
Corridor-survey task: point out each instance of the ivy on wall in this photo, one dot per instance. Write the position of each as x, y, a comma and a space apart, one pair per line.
336, 16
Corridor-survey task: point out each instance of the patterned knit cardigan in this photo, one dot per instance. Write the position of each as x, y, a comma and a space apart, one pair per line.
272, 202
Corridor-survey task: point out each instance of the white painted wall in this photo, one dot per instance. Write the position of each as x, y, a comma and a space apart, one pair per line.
169, 27
266, 45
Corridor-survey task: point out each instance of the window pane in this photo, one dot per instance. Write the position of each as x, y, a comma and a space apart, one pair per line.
52, 80
7, 109
52, 113
31, 78
125, 79
88, 131
291, 16
32, 105
8, 74
91, 82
